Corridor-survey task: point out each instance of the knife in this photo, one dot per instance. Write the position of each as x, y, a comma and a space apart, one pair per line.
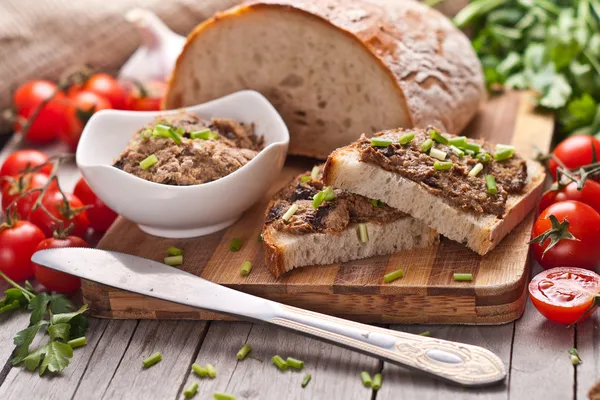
457, 363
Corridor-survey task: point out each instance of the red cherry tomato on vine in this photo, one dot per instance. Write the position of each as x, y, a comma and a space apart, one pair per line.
574, 151
17, 244
564, 294
146, 98
49, 122
101, 217
583, 224
589, 194
19, 185
56, 280
106, 86
16, 162
55, 204
82, 105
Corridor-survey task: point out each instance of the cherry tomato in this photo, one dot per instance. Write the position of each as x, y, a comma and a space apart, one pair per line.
56, 280
583, 224
574, 152
49, 122
147, 98
589, 194
18, 161
17, 244
107, 87
55, 204
101, 217
82, 105
13, 190
564, 294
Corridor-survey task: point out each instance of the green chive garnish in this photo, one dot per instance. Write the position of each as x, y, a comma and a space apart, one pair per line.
484, 157
426, 145
161, 130
362, 233
174, 260
504, 154
469, 152
504, 146
280, 362
491, 184
380, 142
191, 391
366, 379
174, 251
211, 371
574, 355
438, 137
294, 363
442, 165
153, 359
459, 141
476, 170
148, 161
437, 153
235, 245
314, 173
426, 333
463, 277
79, 342
204, 134
406, 138
305, 179
145, 134
472, 146
392, 276
376, 382
377, 203
243, 352
306, 379
223, 396
199, 370
246, 268
329, 193
291, 211
457, 151
318, 199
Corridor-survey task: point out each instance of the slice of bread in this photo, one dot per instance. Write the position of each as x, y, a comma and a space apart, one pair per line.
480, 232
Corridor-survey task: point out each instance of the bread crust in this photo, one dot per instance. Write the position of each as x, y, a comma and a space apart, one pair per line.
436, 72
274, 257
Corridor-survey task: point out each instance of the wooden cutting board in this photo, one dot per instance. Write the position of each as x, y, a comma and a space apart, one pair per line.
355, 290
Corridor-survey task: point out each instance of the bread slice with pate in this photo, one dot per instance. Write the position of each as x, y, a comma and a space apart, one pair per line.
468, 190
307, 223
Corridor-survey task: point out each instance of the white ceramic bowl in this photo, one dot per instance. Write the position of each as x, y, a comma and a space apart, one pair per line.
182, 211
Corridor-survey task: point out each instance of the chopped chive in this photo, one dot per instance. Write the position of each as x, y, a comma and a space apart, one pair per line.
223, 396
161, 130
235, 245
392, 276
503, 154
458, 141
153, 359
199, 370
79, 342
426, 333
314, 173
243, 352
476, 170
173, 135
484, 157
406, 138
469, 152
438, 137
305, 178
211, 371
439, 154
329, 193
505, 146
149, 161
376, 382
145, 134
362, 233
180, 131
472, 146
457, 151
491, 184
463, 277
191, 391
290, 211
294, 363
377, 203
174, 251
318, 199
204, 134
574, 355
279, 362
426, 145
366, 379
174, 260
246, 268
380, 142
442, 165
306, 379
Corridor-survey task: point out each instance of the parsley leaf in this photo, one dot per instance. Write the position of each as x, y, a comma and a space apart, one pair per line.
23, 339
59, 331
13, 299
39, 307
66, 317
56, 357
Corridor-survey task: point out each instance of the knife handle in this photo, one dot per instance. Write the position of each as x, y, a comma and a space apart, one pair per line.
459, 363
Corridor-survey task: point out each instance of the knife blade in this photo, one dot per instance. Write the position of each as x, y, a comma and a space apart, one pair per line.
458, 363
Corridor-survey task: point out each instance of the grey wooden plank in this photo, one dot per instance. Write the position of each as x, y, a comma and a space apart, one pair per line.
588, 346
400, 383
176, 340
335, 371
22, 384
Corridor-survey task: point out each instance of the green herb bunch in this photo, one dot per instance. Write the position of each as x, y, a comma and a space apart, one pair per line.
550, 46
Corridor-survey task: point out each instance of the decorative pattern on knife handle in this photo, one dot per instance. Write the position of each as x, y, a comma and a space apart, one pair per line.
459, 363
